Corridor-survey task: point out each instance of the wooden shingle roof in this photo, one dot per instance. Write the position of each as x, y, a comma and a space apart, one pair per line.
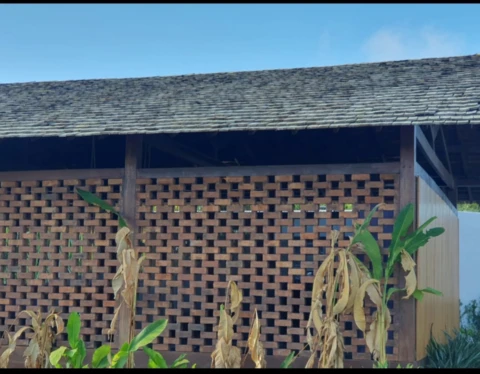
428, 91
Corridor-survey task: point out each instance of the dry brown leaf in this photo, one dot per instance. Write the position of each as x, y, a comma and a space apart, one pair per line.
225, 327
225, 356
316, 316
117, 281
358, 312
12, 344
59, 324
370, 336
236, 298
255, 346
122, 240
408, 264
319, 280
345, 293
111, 331
354, 276
36, 319
33, 356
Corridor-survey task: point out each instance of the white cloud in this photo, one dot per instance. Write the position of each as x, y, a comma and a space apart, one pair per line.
389, 44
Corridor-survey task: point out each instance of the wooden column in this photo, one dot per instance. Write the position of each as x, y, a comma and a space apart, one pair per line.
405, 315
133, 159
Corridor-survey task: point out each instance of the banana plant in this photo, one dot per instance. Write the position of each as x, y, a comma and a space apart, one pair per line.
75, 355
404, 245
156, 361
102, 357
95, 200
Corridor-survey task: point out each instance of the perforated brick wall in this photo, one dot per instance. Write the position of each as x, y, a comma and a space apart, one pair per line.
58, 252
267, 233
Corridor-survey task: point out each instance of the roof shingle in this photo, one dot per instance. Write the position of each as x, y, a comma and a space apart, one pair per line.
429, 91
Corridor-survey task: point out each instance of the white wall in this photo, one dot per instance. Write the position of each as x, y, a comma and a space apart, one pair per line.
469, 256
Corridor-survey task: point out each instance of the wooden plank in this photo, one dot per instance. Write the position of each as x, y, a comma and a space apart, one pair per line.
406, 308
437, 267
420, 172
133, 152
61, 174
433, 159
391, 167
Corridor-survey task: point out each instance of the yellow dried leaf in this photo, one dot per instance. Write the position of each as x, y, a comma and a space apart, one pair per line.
225, 327
408, 264
310, 361
316, 314
332, 344
374, 294
310, 341
358, 312
36, 319
345, 293
225, 356
111, 330
318, 282
122, 241
236, 298
59, 324
334, 238
340, 353
130, 276
354, 283
5, 357
255, 346
12, 344
117, 281
32, 355
371, 335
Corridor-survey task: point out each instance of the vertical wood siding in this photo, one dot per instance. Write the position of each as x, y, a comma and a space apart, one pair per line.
437, 267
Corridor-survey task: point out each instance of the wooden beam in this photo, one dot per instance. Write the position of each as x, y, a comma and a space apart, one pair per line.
434, 130
445, 149
376, 168
463, 154
406, 315
170, 146
133, 159
433, 159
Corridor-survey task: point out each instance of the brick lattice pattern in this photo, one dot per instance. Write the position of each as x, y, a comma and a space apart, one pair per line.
267, 233
58, 252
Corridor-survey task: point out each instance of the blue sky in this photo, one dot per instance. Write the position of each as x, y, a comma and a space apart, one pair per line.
81, 41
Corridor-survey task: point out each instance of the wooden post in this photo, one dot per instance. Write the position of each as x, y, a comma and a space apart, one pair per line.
405, 316
133, 159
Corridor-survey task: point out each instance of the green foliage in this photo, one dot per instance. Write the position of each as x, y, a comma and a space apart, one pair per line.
147, 335
288, 361
403, 246
102, 357
471, 317
370, 246
468, 207
95, 200
409, 366
75, 355
144, 337
460, 351
156, 360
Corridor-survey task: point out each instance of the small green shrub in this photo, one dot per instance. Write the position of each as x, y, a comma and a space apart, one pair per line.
102, 357
460, 351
